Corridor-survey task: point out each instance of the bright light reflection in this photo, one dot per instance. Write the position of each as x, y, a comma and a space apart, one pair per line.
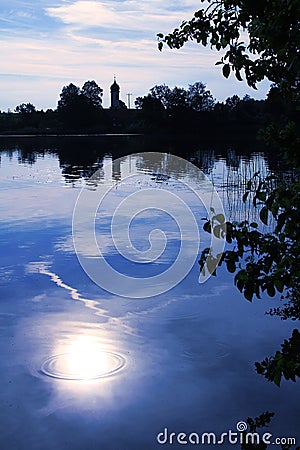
83, 359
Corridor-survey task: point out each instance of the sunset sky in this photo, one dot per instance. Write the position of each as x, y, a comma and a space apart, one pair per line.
47, 44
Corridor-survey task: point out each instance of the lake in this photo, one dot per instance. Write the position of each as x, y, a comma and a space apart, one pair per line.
118, 359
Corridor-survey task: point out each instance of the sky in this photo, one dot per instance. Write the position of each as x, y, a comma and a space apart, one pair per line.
47, 44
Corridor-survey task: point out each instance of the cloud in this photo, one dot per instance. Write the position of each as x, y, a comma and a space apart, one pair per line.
84, 14
127, 15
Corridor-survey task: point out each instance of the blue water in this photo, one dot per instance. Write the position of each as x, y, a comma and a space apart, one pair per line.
85, 369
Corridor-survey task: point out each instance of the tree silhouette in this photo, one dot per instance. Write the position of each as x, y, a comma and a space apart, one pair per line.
93, 93
162, 93
196, 97
199, 98
80, 108
68, 97
25, 108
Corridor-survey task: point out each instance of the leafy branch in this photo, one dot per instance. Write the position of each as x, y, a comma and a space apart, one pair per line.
271, 30
284, 363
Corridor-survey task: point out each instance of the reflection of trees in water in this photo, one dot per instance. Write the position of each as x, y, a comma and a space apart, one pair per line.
229, 172
161, 164
29, 150
29, 157
204, 159
80, 157
235, 178
75, 173
237, 171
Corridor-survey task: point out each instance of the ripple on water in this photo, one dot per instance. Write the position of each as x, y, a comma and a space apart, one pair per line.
214, 350
71, 366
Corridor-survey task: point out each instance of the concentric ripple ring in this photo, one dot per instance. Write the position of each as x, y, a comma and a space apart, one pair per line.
57, 366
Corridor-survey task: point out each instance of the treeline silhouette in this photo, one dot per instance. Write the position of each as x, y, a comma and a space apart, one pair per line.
163, 110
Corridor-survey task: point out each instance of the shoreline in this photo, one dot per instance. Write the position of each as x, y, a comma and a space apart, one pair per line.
71, 135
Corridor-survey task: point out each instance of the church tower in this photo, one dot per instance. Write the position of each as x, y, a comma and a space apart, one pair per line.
114, 95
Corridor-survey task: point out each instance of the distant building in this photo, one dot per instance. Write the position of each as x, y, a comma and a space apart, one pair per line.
115, 102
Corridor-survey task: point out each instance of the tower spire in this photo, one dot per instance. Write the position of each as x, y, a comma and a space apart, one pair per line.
115, 93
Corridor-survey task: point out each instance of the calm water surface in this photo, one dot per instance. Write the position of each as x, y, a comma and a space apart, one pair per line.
84, 369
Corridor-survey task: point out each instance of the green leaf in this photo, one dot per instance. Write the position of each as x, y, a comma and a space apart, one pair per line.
264, 215
281, 221
261, 196
230, 266
217, 230
277, 377
238, 75
271, 290
226, 70
245, 196
160, 46
274, 209
211, 264
279, 284
240, 285
248, 295
207, 227
220, 218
